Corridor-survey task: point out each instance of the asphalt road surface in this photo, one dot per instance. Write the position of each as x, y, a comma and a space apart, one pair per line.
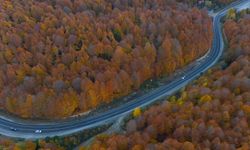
31, 130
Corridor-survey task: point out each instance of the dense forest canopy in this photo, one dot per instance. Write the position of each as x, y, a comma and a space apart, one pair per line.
60, 57
212, 113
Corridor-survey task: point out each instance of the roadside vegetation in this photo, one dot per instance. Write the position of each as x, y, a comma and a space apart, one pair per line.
52, 143
61, 58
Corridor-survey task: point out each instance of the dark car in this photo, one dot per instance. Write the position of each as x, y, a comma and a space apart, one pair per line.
13, 129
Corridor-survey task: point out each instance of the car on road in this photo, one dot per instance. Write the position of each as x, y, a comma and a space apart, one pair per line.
13, 129
38, 131
183, 77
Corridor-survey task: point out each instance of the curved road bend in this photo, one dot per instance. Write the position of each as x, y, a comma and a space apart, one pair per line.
16, 128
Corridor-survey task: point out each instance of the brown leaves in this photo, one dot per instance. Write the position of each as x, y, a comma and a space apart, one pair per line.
100, 50
214, 115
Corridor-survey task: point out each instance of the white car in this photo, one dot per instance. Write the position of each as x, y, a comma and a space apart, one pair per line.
183, 77
38, 131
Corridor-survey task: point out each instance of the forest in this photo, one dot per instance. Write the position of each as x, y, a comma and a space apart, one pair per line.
63, 57
211, 113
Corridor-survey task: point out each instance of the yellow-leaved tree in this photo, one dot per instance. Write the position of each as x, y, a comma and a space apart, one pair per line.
137, 112
205, 98
231, 14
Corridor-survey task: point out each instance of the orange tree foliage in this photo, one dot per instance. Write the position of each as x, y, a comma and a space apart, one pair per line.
213, 116
6, 143
60, 57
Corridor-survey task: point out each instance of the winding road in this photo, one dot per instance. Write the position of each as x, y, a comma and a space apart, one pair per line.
22, 129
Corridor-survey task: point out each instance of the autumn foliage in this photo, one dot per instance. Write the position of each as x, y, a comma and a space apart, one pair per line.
60, 57
10, 144
214, 115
